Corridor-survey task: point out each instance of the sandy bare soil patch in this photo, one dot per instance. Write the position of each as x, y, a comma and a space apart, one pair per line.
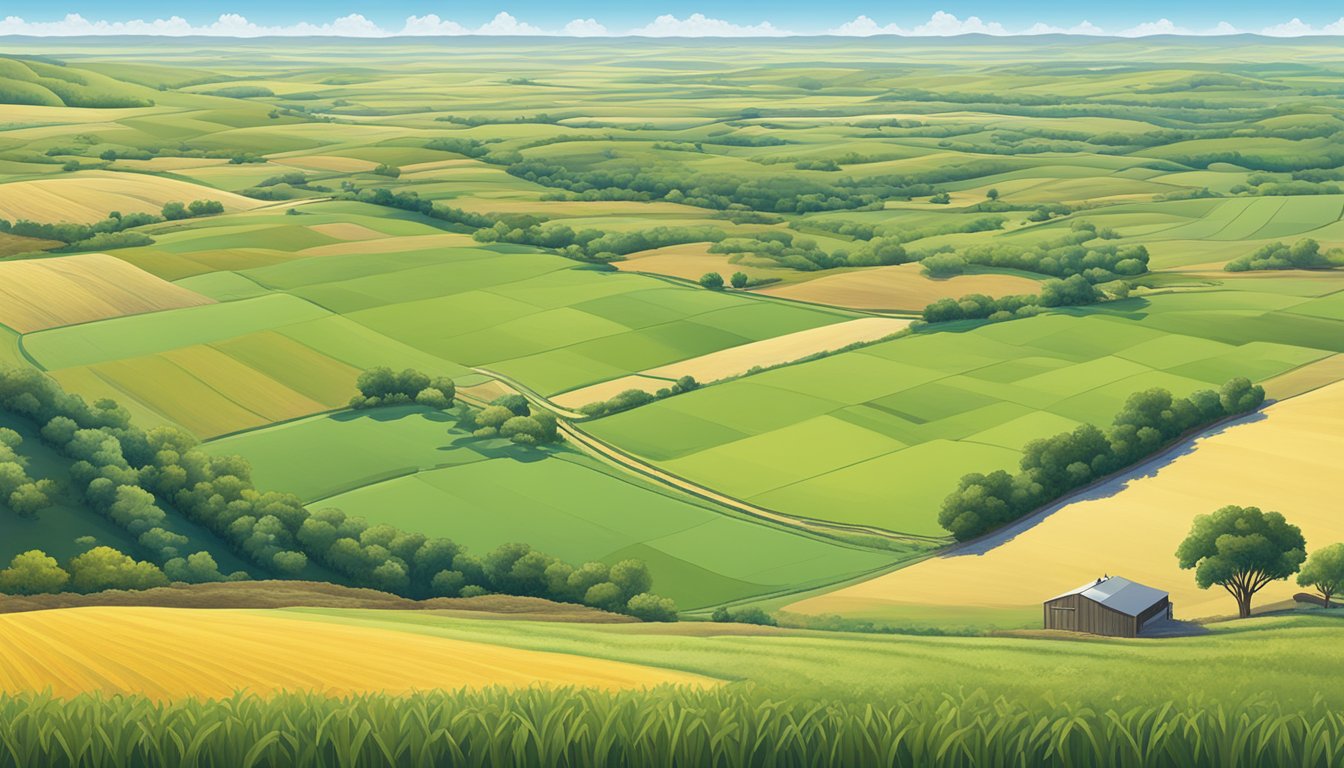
327, 163
344, 230
736, 361
89, 196
391, 245
170, 653
897, 287
45, 293
1285, 459
692, 260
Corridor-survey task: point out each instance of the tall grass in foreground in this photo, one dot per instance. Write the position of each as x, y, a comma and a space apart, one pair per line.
732, 726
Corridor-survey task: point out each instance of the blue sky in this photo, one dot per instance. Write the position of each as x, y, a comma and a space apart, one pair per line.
728, 17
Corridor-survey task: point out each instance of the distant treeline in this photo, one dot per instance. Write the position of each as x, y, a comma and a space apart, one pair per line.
1304, 254
131, 475
1053, 466
109, 233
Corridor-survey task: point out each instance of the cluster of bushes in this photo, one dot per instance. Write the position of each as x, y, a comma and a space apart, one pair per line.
77, 235
512, 416
36, 573
784, 249
1304, 254
286, 186
633, 398
126, 471
410, 201
1053, 466
1072, 254
18, 490
475, 149
749, 615
1073, 291
714, 281
591, 244
195, 209
381, 386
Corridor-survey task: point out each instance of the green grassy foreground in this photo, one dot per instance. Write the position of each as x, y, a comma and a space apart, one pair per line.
1260, 692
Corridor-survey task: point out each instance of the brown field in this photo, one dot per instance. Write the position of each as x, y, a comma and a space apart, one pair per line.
391, 245
89, 196
11, 245
171, 653
345, 230
327, 163
736, 361
692, 260
46, 293
898, 287
1283, 459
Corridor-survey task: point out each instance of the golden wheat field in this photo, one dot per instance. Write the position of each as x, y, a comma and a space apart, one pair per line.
170, 653
898, 287
1285, 459
45, 293
736, 361
88, 196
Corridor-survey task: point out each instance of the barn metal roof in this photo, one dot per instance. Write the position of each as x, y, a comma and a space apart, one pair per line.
1118, 594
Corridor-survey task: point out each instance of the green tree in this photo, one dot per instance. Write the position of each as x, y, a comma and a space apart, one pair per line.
650, 607
992, 194
105, 568
740, 280
1324, 570
32, 573
1241, 549
712, 281
174, 211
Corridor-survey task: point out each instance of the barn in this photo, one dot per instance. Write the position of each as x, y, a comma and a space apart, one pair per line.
1110, 605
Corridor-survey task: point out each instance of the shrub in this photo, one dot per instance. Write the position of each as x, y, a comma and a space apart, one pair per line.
712, 281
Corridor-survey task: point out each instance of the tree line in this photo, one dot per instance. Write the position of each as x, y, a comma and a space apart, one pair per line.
633, 398
130, 474
1053, 466
1070, 292
111, 230
1304, 254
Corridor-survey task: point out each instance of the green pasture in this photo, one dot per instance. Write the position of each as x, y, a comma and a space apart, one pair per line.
420, 471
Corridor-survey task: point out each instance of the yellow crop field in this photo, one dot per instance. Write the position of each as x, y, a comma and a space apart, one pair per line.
171, 653
1284, 459
88, 196
736, 361
46, 293
898, 287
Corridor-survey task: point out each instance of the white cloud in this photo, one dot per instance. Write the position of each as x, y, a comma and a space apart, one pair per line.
1081, 28
862, 26
944, 24
431, 24
1167, 27
699, 25
1297, 27
939, 24
585, 28
506, 24
227, 25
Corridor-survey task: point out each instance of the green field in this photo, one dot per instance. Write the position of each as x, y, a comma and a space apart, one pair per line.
910, 416
417, 470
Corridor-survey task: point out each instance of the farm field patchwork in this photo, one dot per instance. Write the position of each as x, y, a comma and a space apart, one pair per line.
907, 418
